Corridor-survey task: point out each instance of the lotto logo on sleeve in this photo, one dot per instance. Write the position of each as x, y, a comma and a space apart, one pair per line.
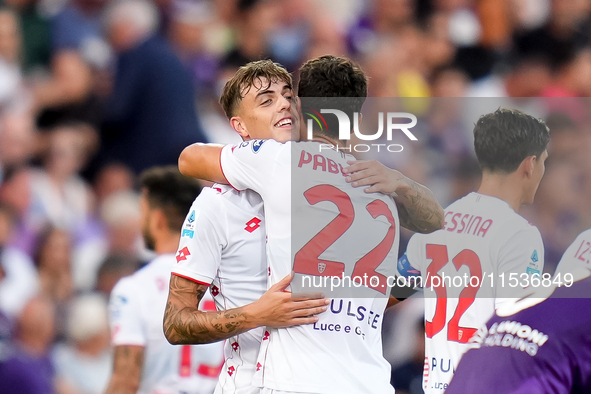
182, 254
253, 224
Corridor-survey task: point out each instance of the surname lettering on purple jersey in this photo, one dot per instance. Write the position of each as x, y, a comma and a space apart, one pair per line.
466, 223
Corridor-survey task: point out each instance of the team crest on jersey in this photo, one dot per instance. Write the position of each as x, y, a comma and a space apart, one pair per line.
256, 145
321, 267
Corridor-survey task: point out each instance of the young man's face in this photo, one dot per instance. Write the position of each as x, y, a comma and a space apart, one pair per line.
538, 173
265, 113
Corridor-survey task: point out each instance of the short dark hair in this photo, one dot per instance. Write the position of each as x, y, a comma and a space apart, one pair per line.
168, 190
329, 77
504, 138
247, 76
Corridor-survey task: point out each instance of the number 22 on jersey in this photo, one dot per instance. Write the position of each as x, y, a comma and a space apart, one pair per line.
307, 260
438, 255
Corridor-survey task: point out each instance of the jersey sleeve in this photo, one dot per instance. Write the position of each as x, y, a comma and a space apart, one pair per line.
407, 273
125, 317
409, 263
523, 253
202, 240
251, 164
576, 256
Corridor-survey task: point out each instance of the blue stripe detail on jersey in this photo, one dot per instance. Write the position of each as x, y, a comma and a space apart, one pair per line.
405, 269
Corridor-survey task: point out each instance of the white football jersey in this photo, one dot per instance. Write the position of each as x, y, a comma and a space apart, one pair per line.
136, 309
345, 231
577, 255
223, 246
484, 255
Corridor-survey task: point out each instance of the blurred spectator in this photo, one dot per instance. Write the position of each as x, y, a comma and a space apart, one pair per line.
449, 82
116, 233
76, 44
151, 113
188, 33
11, 89
20, 282
525, 77
36, 34
254, 20
26, 367
290, 38
120, 212
566, 31
114, 267
60, 197
17, 140
83, 364
111, 179
52, 258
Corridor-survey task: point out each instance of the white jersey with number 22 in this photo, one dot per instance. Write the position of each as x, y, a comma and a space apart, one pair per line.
321, 226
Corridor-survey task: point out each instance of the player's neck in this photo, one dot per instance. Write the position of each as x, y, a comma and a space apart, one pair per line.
504, 187
167, 244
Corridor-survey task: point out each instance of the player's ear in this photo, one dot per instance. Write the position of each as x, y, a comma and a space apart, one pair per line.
238, 126
528, 165
159, 220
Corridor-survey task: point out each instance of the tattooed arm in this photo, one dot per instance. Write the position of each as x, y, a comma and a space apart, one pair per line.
417, 208
185, 324
127, 370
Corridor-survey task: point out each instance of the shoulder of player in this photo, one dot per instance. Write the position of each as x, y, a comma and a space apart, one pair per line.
125, 287
138, 279
261, 145
222, 198
584, 235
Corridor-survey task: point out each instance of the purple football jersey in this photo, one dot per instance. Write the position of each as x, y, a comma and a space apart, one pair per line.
543, 349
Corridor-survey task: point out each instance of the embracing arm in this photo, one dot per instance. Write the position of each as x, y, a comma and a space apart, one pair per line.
417, 207
127, 370
185, 324
202, 161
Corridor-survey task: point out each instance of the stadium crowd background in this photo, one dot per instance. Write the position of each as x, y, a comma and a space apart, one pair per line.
89, 98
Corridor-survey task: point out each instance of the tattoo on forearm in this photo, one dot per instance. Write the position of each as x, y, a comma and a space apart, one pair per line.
185, 324
419, 210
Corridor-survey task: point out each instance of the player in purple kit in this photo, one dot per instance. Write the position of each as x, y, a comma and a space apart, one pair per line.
542, 349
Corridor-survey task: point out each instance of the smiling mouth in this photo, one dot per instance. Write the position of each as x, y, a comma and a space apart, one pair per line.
283, 122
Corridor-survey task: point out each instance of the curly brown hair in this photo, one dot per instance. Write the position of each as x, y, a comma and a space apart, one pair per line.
332, 82
252, 74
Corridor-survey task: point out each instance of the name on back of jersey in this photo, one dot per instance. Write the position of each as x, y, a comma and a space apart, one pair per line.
466, 223
320, 162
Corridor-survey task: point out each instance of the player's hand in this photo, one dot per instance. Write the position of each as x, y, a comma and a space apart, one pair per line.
278, 309
375, 175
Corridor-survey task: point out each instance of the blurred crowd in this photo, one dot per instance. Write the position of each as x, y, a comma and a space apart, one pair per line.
94, 91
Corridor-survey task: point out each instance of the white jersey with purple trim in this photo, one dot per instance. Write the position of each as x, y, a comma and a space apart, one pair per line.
485, 254
577, 255
223, 246
347, 232
136, 309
